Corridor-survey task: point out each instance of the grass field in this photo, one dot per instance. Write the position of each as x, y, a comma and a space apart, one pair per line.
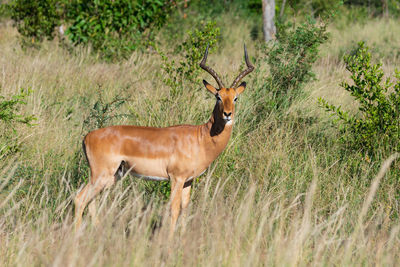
282, 193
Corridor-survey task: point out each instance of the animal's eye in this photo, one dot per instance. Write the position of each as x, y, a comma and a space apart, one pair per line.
218, 97
235, 99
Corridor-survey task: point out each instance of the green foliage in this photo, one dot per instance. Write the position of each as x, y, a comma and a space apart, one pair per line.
114, 28
321, 7
290, 59
36, 19
376, 7
208, 9
377, 122
255, 6
8, 109
155, 190
103, 112
5, 10
9, 117
192, 51
317, 7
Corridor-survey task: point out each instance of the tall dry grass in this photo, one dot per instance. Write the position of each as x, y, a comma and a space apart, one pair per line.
265, 229
280, 194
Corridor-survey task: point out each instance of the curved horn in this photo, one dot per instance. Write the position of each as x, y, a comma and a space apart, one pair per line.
249, 69
210, 70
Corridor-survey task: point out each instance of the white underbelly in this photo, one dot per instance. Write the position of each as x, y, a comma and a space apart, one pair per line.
149, 178
153, 170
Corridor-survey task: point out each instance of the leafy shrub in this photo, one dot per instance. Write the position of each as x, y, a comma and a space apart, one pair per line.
290, 59
193, 48
102, 112
192, 51
114, 28
9, 118
36, 19
377, 122
255, 7
5, 10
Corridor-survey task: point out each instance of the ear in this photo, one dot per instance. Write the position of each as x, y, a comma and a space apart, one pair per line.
210, 87
241, 88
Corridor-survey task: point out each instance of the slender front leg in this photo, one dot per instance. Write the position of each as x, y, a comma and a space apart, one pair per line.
176, 197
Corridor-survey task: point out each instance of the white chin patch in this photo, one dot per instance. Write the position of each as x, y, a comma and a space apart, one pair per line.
229, 122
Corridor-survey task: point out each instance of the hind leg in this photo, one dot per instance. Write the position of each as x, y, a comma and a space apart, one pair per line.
93, 211
82, 199
90, 191
186, 195
110, 181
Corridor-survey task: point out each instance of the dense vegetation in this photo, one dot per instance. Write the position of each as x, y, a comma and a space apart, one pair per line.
301, 181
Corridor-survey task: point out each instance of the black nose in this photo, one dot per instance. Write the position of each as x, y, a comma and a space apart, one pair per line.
227, 114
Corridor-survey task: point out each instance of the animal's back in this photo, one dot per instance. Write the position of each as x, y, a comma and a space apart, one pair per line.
149, 151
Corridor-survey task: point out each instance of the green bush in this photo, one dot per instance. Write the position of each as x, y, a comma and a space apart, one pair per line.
36, 19
377, 123
103, 112
9, 117
114, 28
191, 51
290, 59
5, 10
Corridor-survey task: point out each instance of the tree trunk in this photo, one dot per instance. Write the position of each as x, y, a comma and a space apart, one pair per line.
268, 7
385, 8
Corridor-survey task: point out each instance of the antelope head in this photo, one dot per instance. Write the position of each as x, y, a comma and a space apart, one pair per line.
226, 97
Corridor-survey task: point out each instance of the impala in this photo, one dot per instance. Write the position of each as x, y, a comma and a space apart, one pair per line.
178, 153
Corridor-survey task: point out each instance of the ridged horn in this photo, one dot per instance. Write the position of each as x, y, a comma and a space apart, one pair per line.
210, 70
249, 69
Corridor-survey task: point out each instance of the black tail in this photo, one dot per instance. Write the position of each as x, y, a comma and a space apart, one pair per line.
84, 149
